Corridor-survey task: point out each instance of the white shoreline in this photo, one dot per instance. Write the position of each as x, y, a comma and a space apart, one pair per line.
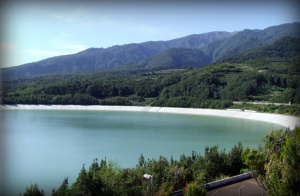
285, 120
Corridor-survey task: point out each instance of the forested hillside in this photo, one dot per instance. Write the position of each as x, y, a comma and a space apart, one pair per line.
215, 45
268, 73
248, 39
288, 47
170, 59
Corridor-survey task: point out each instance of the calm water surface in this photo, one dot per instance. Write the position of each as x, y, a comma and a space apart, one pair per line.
44, 146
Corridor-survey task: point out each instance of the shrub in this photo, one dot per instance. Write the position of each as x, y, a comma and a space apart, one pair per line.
193, 189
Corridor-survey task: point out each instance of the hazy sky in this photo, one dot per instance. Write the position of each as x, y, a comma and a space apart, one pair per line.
35, 30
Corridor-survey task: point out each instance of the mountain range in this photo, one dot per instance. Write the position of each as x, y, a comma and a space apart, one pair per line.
266, 73
194, 50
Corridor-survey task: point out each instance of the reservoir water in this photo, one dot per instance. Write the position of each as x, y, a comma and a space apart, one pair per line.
45, 146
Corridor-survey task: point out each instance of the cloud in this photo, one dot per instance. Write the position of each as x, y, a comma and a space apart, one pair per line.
6, 46
76, 15
129, 26
77, 47
104, 20
43, 52
148, 29
67, 19
66, 41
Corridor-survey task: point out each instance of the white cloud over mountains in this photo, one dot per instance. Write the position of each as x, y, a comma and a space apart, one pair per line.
43, 52
77, 47
67, 42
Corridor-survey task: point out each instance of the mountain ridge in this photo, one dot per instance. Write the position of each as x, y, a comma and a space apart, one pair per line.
108, 58
248, 39
215, 45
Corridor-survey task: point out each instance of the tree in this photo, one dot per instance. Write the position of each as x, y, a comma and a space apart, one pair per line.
276, 166
62, 190
33, 190
142, 161
234, 161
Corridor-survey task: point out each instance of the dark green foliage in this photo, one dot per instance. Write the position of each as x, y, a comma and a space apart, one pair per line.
115, 101
283, 47
234, 161
84, 90
142, 162
240, 86
34, 190
215, 163
87, 183
62, 190
191, 102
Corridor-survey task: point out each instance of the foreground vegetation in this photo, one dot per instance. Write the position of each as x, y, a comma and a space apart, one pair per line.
107, 177
275, 166
277, 163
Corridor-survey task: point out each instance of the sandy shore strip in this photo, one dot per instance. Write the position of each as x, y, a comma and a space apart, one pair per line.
285, 120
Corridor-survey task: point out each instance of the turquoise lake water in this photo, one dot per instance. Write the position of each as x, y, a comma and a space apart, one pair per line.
45, 146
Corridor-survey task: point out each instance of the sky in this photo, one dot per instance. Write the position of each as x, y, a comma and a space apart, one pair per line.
32, 30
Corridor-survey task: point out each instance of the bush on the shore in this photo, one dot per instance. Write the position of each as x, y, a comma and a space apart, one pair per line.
277, 162
293, 110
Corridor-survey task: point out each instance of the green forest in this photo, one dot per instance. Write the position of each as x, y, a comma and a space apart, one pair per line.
276, 164
273, 77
